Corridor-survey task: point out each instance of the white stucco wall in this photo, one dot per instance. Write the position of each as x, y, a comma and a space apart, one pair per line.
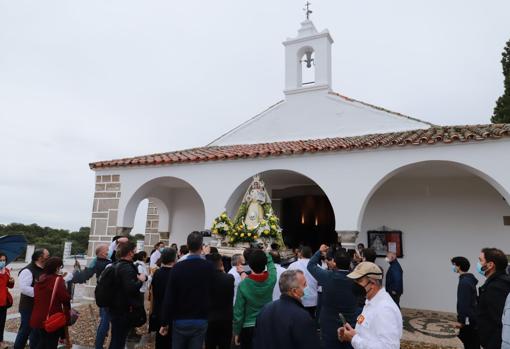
187, 214
349, 179
440, 218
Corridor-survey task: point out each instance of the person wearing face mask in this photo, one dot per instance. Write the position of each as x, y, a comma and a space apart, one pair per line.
310, 300
127, 304
96, 267
6, 282
50, 297
466, 303
492, 264
285, 323
394, 278
27, 278
337, 295
156, 254
380, 323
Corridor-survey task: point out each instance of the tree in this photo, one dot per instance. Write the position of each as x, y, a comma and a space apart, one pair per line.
49, 238
502, 109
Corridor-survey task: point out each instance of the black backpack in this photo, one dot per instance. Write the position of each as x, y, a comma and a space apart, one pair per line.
105, 288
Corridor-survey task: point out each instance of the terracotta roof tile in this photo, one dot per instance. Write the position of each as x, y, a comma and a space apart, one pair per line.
432, 135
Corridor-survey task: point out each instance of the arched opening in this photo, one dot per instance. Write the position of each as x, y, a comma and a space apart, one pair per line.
305, 213
306, 58
174, 210
443, 209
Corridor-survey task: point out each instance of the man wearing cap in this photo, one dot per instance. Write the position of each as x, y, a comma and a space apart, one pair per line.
380, 323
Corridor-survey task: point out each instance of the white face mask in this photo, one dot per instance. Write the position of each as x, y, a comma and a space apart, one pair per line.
387, 259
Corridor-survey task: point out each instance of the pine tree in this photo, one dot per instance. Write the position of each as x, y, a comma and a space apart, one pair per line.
502, 109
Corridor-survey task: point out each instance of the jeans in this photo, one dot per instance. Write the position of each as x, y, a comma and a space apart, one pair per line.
103, 327
120, 329
25, 332
188, 337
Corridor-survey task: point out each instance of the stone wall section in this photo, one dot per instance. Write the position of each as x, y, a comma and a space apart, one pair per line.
152, 233
104, 211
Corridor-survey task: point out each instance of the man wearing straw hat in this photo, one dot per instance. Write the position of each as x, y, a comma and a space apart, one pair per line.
380, 323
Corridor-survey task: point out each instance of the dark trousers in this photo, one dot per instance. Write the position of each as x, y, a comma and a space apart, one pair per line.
47, 340
120, 330
396, 298
3, 316
188, 337
24, 332
164, 342
219, 335
246, 337
469, 337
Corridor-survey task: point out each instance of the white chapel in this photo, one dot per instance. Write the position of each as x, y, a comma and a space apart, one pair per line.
335, 168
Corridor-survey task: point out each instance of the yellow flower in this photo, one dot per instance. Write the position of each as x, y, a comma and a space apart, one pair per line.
215, 231
273, 227
223, 215
249, 234
266, 232
255, 236
237, 234
242, 235
231, 239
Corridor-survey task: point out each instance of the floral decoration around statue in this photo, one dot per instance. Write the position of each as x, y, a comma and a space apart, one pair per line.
255, 220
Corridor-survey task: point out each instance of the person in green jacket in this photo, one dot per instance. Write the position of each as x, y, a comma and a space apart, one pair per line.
255, 291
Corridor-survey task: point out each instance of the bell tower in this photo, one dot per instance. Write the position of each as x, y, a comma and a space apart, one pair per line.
308, 59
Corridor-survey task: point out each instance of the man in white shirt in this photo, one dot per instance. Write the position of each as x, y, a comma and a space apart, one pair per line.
26, 280
279, 271
237, 271
156, 255
380, 323
310, 298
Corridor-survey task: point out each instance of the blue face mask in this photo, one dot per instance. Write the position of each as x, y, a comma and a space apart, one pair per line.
110, 253
307, 293
2, 264
161, 249
479, 268
454, 269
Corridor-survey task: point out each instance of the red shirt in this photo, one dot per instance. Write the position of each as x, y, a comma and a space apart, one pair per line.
42, 297
4, 284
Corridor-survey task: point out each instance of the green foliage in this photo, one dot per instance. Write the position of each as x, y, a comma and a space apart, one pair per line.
50, 238
502, 109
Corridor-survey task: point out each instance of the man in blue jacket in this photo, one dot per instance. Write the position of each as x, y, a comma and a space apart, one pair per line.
285, 323
466, 303
337, 296
394, 278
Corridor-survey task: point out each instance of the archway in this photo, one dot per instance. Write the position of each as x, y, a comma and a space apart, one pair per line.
306, 215
175, 209
444, 209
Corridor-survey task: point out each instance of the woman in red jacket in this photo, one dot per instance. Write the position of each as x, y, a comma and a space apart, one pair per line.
5, 298
43, 290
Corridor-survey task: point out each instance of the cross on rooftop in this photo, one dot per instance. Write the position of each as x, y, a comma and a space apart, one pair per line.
307, 10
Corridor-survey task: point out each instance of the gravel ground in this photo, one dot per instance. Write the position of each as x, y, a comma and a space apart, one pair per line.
84, 331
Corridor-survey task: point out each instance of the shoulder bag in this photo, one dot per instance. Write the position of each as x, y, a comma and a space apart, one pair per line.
55, 321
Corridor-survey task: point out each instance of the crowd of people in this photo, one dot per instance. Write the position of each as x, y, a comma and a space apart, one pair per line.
333, 298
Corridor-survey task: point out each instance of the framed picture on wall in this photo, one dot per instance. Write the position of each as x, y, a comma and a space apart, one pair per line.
384, 241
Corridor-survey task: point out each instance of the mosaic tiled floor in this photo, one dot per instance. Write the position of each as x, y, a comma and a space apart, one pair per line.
430, 327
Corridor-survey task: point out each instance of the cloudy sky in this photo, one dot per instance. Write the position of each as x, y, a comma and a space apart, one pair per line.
82, 81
